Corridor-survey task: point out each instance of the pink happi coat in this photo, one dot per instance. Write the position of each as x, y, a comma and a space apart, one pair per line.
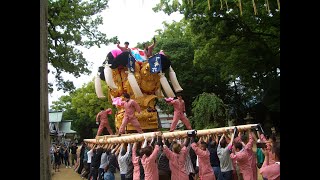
205, 169
177, 163
271, 171
263, 139
252, 156
130, 107
150, 165
135, 162
244, 164
102, 116
179, 109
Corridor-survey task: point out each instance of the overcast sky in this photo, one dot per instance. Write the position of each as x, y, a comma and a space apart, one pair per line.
135, 13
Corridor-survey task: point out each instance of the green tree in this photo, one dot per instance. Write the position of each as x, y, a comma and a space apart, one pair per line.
165, 107
82, 106
177, 40
64, 104
242, 48
209, 111
73, 24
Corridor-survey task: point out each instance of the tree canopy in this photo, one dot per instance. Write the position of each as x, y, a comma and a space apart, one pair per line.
241, 50
73, 24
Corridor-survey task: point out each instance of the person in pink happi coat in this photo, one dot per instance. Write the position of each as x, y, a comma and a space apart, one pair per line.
102, 118
177, 160
242, 157
269, 142
205, 169
130, 106
248, 144
179, 110
148, 49
149, 163
271, 171
135, 162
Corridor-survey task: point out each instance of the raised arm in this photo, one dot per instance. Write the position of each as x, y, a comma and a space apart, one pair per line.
263, 137
153, 141
186, 142
197, 150
134, 150
150, 48
253, 134
154, 154
200, 140
216, 138
226, 136
120, 47
231, 140
168, 152
121, 149
249, 145
128, 151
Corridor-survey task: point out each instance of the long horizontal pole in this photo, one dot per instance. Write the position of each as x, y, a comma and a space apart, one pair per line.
131, 138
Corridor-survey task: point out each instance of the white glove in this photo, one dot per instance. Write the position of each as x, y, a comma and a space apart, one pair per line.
97, 123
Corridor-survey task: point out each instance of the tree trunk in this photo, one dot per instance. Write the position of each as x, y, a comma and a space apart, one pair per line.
45, 173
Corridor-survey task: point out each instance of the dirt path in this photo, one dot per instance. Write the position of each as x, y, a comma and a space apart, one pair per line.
70, 174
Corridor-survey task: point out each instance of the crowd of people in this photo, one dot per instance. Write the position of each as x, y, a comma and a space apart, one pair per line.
61, 154
227, 156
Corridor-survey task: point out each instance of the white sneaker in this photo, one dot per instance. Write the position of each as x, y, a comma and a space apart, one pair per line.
66, 166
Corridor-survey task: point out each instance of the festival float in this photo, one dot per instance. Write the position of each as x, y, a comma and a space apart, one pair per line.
143, 79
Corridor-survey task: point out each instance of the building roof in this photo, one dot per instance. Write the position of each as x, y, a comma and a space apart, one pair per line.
55, 116
65, 127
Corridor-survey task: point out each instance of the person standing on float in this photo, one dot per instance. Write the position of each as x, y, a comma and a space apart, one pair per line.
179, 110
102, 118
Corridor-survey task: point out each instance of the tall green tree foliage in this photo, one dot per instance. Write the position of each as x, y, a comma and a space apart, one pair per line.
243, 46
209, 111
176, 39
72, 24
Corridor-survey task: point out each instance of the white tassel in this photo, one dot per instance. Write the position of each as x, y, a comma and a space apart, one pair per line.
174, 80
108, 76
134, 85
97, 86
166, 87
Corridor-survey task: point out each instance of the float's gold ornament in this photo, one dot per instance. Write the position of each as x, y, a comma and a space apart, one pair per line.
143, 86
148, 84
